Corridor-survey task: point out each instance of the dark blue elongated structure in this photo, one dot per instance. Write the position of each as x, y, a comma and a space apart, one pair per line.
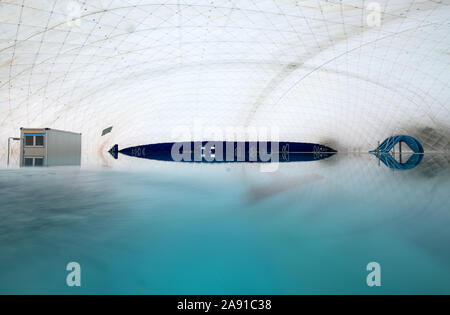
228, 152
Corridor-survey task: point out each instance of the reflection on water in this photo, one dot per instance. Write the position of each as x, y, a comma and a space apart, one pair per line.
162, 227
390, 160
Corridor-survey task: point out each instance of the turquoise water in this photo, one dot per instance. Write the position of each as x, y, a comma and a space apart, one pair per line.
148, 227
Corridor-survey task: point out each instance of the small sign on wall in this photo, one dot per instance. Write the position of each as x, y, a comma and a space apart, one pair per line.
106, 131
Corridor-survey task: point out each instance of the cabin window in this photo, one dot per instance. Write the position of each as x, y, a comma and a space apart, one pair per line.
38, 162
34, 141
39, 141
28, 162
29, 140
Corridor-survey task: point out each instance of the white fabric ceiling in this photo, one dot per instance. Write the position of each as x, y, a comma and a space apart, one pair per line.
321, 71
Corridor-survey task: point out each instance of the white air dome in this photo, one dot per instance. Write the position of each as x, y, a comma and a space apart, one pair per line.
343, 73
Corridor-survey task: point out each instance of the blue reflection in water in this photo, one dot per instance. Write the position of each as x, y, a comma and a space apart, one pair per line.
221, 228
390, 161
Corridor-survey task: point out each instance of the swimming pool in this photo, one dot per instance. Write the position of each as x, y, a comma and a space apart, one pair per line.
149, 227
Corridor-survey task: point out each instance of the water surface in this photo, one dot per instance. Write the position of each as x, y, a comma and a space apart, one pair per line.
165, 228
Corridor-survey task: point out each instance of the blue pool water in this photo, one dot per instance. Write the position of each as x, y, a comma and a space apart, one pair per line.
147, 227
